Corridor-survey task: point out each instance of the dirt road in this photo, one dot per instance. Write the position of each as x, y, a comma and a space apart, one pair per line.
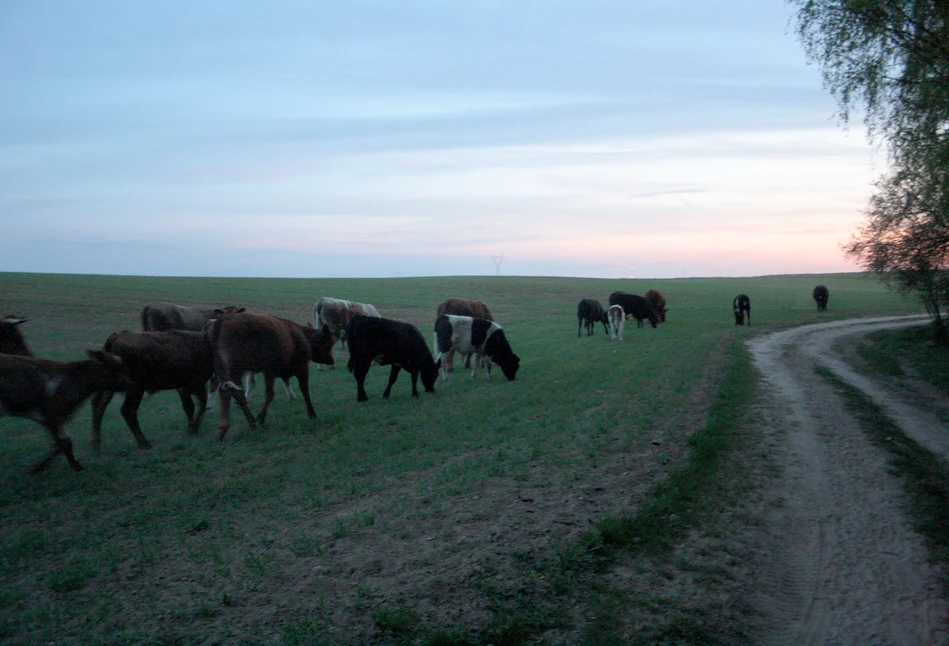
836, 558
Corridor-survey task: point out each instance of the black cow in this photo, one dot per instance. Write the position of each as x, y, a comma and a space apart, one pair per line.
485, 338
635, 306
742, 306
173, 360
589, 311
389, 342
821, 294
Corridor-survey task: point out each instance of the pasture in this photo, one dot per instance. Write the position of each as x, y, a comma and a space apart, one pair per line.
458, 517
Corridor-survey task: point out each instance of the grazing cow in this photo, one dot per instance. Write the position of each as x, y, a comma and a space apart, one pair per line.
589, 313
484, 338
742, 307
277, 347
11, 340
636, 307
657, 302
461, 307
335, 313
173, 360
389, 342
821, 294
617, 318
160, 317
49, 392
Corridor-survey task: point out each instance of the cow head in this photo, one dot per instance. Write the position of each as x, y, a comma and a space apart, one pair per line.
11, 341
429, 374
510, 365
321, 344
653, 317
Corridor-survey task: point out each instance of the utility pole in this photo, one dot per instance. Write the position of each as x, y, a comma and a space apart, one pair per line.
497, 263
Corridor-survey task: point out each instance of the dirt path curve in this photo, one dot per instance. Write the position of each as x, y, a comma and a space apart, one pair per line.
837, 561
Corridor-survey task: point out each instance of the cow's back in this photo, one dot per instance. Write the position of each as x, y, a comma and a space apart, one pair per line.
464, 307
395, 341
257, 343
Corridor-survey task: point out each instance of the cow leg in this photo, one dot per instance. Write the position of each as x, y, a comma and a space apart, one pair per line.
133, 399
249, 382
100, 401
360, 370
303, 378
212, 391
268, 397
227, 390
442, 371
286, 385
186, 395
63, 445
393, 375
579, 325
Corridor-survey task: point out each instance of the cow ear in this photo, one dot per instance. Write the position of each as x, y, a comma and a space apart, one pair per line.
326, 329
218, 312
12, 319
240, 308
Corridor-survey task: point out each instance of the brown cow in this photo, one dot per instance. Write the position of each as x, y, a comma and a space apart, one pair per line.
159, 317
49, 392
657, 302
274, 346
173, 360
11, 339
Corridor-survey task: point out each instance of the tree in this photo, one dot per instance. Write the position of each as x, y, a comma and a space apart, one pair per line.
890, 59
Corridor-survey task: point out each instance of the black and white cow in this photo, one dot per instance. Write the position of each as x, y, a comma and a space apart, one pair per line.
742, 307
389, 342
485, 338
589, 312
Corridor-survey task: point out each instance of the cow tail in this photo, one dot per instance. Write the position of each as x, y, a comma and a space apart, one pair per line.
144, 317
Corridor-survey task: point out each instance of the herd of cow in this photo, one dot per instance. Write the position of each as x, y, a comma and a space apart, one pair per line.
207, 353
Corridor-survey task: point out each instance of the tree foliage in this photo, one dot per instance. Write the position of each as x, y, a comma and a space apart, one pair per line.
889, 59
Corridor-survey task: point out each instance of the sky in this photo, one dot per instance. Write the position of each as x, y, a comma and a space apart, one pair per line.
372, 138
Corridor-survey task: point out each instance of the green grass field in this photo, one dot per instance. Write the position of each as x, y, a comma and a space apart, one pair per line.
429, 520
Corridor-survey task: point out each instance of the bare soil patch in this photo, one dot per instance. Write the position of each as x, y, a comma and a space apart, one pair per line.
835, 559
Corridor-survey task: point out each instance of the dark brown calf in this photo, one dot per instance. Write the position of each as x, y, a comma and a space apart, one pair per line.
657, 302
274, 346
173, 360
821, 294
49, 392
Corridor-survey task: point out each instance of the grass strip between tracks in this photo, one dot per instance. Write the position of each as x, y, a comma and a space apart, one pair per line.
925, 477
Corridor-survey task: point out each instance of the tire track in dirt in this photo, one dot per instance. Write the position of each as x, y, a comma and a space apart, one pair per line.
836, 559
